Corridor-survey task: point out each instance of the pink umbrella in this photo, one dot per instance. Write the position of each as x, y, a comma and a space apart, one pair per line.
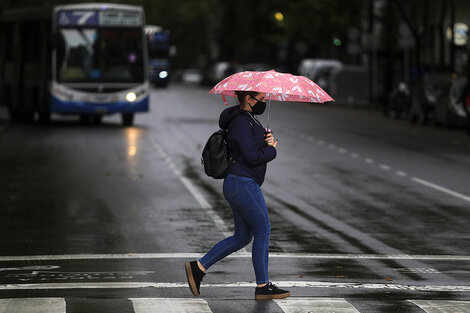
278, 86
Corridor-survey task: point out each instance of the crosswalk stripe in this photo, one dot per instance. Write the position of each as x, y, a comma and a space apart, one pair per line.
170, 305
442, 306
282, 284
32, 305
316, 305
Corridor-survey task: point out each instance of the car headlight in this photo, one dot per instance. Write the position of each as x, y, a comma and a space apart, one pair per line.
163, 74
130, 97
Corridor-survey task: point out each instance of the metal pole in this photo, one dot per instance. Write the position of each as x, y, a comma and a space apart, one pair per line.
269, 109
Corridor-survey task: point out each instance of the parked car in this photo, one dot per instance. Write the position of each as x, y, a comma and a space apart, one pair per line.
191, 76
319, 70
215, 72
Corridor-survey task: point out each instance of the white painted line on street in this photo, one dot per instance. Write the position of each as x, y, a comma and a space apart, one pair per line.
385, 167
369, 161
203, 203
218, 221
402, 174
32, 305
315, 305
440, 188
275, 255
342, 150
440, 306
170, 305
281, 284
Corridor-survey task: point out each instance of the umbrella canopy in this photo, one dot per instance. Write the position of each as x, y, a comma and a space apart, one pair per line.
278, 86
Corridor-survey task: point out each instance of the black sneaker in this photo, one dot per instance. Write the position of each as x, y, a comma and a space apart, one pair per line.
269, 292
194, 275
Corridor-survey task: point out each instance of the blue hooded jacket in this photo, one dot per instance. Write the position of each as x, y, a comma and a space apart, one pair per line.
246, 145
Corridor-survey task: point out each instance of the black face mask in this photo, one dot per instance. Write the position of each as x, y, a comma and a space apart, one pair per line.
259, 107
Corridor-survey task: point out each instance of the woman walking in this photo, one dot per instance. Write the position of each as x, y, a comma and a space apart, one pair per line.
251, 148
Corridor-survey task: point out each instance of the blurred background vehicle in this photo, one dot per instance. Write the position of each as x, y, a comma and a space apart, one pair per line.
81, 59
158, 42
216, 72
190, 76
319, 70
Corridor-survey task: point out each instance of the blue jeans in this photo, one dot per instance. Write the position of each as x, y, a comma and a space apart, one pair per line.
251, 218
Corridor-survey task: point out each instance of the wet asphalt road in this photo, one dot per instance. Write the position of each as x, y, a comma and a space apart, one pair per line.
367, 213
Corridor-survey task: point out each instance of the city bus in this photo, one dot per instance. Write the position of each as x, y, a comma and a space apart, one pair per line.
88, 59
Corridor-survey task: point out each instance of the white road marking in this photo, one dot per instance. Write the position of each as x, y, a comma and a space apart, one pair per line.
442, 306
32, 305
218, 221
281, 284
402, 174
184, 255
193, 190
440, 188
170, 305
315, 305
385, 167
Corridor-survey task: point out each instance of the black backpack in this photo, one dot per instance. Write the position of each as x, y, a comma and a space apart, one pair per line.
215, 157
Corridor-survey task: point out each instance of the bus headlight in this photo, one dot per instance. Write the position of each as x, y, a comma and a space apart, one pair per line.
130, 97
163, 74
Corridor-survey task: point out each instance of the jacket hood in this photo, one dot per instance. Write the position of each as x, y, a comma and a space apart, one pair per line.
228, 114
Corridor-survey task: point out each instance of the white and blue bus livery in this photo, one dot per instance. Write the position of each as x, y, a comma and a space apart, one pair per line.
93, 56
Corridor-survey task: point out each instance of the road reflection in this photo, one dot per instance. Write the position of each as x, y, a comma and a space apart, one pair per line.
133, 136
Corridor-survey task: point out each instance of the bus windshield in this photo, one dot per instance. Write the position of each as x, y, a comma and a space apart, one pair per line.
100, 55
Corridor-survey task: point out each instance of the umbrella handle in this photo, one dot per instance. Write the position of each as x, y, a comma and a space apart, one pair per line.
269, 110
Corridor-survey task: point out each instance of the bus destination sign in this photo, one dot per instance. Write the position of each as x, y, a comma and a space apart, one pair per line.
120, 18
107, 18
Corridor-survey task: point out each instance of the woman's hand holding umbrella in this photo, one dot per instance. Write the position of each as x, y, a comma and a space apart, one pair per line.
270, 141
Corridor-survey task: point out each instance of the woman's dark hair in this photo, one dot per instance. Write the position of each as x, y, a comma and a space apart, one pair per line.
242, 94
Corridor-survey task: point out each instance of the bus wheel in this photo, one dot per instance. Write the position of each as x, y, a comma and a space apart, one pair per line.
127, 119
